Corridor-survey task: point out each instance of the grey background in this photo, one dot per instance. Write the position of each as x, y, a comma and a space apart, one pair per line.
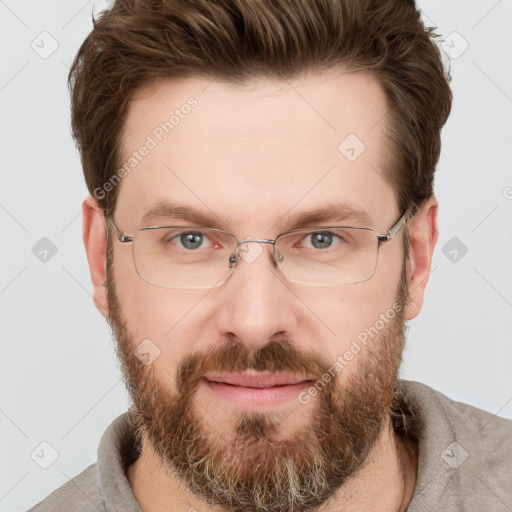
60, 382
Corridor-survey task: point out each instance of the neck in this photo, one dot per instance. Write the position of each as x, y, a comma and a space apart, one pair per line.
386, 482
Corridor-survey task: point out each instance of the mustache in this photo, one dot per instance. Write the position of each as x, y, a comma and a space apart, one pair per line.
273, 357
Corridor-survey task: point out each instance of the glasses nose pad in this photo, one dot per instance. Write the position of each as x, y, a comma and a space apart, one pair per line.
233, 259
277, 258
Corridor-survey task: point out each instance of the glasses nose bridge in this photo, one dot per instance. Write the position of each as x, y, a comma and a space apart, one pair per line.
235, 257
260, 240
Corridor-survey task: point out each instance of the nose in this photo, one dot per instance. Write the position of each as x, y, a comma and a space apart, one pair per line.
256, 303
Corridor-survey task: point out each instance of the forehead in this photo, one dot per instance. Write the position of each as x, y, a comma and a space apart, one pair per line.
249, 154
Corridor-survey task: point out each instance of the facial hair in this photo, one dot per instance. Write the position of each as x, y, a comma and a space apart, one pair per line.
253, 468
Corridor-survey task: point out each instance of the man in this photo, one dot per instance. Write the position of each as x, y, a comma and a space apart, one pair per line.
260, 227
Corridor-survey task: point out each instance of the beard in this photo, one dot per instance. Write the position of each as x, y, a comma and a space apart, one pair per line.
253, 466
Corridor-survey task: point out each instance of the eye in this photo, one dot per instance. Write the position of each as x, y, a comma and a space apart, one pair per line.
190, 240
322, 239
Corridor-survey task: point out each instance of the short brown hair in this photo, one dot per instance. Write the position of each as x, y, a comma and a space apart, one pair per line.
138, 41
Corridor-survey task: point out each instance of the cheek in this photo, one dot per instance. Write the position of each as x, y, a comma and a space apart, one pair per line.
151, 312
345, 316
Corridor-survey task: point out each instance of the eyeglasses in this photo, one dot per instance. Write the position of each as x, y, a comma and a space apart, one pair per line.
188, 257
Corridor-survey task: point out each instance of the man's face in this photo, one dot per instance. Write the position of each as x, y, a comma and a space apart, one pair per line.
250, 157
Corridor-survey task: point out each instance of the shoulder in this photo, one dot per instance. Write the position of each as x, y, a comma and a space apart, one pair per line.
465, 453
483, 428
458, 414
103, 486
80, 493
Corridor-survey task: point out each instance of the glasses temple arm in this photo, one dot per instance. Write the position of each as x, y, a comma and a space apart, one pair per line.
398, 226
120, 235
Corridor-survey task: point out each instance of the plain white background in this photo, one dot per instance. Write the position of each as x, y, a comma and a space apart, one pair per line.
60, 382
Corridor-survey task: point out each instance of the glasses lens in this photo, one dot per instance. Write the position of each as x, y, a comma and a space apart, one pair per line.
199, 258
183, 257
328, 256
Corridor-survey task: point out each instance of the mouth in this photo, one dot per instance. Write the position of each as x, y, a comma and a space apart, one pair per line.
251, 390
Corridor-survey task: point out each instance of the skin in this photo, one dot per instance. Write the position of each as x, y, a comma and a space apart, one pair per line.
248, 155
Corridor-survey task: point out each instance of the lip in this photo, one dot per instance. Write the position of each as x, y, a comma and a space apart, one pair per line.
251, 390
255, 379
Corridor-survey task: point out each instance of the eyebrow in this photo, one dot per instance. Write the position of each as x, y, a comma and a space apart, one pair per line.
330, 213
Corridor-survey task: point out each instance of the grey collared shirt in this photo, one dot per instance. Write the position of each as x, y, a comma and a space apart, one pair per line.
465, 462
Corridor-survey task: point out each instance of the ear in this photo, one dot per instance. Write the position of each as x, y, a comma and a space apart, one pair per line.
94, 236
423, 235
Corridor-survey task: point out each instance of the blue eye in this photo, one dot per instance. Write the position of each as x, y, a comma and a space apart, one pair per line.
322, 239
191, 240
